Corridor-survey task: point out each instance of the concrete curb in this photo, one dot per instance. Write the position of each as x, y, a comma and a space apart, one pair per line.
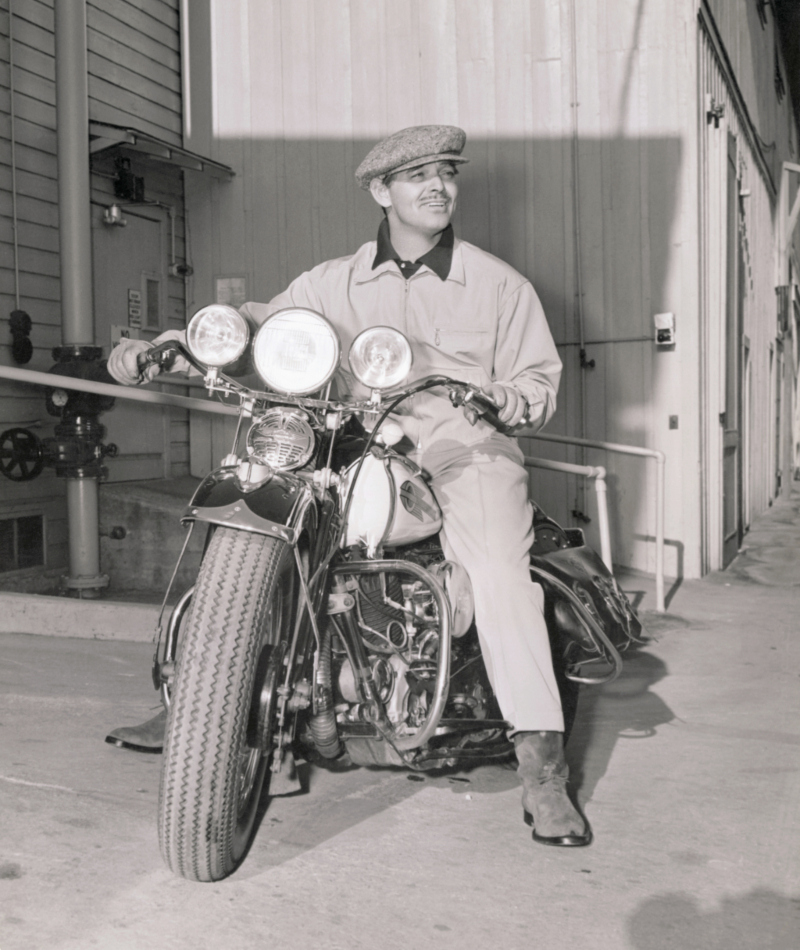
69, 617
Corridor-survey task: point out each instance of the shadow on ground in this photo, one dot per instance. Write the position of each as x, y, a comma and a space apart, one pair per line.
760, 920
625, 709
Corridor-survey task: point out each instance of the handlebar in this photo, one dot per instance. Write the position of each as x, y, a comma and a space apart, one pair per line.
475, 403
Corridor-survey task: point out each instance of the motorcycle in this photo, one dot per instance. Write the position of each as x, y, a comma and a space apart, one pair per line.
325, 620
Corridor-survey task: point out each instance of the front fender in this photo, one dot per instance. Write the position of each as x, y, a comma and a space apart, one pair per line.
279, 508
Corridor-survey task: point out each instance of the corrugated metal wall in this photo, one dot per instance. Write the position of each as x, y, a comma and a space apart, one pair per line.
134, 64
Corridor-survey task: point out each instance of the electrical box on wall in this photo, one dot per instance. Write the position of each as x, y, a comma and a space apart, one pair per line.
665, 329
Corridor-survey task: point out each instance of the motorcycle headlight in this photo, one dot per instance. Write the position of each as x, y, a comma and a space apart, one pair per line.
296, 351
380, 357
217, 335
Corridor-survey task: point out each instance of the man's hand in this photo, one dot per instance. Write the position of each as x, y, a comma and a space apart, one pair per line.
512, 405
123, 364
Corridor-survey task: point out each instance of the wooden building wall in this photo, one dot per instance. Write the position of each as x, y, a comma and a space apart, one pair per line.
293, 93
134, 79
752, 47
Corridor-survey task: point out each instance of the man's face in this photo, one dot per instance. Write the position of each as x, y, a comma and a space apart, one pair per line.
422, 198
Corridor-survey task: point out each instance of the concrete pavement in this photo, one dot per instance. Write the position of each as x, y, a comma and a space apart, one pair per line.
687, 767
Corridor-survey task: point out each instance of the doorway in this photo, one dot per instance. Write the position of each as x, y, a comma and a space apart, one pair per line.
747, 415
730, 417
130, 283
778, 442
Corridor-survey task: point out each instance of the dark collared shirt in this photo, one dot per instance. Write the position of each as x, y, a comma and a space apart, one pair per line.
438, 258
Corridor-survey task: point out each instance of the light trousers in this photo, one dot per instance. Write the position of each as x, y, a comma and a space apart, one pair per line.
488, 528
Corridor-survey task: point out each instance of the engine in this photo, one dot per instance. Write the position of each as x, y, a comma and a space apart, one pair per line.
398, 623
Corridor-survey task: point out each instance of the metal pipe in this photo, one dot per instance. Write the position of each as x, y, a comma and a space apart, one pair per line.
117, 392
577, 235
84, 545
598, 473
74, 208
661, 462
602, 520
75, 252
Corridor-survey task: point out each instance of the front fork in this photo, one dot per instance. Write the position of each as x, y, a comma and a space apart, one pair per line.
164, 669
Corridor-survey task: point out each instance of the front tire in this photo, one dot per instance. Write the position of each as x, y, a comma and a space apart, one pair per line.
213, 770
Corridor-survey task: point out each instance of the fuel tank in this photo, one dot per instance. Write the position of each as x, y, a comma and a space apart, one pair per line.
392, 504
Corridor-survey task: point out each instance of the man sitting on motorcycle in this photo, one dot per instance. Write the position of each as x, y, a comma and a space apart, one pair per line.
470, 316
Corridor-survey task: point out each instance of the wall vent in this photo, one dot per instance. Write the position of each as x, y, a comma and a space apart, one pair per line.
21, 542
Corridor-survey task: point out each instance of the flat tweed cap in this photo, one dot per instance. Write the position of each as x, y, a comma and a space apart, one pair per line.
410, 147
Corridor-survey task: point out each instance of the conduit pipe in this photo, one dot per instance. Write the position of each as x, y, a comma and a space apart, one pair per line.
583, 364
661, 461
74, 208
598, 473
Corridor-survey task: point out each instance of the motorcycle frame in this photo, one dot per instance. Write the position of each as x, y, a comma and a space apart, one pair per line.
289, 526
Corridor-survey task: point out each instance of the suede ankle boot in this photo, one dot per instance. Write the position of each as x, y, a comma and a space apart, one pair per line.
544, 773
147, 737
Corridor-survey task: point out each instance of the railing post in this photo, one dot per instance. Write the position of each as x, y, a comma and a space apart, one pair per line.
598, 473
602, 520
661, 464
661, 461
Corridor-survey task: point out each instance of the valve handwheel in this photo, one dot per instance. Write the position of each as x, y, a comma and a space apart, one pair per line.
21, 455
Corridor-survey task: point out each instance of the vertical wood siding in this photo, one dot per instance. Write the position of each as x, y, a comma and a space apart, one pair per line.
134, 79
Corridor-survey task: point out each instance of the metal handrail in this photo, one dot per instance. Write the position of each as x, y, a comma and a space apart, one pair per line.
55, 381
661, 461
598, 473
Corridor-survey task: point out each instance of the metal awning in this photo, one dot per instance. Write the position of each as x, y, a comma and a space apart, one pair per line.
103, 136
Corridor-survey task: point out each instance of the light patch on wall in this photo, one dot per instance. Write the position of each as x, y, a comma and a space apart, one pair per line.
339, 70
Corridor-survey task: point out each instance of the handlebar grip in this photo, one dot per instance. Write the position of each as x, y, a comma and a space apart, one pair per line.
486, 409
163, 355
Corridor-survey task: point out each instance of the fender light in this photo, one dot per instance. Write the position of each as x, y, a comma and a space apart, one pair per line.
296, 351
217, 335
380, 357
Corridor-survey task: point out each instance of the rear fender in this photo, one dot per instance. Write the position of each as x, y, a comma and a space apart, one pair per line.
282, 507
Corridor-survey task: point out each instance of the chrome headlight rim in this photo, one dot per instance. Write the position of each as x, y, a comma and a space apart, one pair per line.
333, 359
366, 375
238, 332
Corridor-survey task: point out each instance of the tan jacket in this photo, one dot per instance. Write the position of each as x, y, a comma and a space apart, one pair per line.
483, 324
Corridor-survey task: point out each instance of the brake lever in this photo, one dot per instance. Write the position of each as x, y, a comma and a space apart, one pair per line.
164, 356
475, 402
